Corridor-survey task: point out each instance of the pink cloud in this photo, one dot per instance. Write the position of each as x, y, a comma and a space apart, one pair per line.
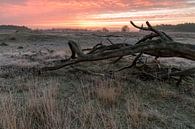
65, 12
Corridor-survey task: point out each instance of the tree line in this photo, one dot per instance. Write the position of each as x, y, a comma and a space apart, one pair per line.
186, 27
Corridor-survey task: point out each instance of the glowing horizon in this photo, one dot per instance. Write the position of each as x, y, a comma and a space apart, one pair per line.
92, 14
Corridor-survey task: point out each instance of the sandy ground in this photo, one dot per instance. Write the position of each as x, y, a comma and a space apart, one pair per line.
147, 104
29, 48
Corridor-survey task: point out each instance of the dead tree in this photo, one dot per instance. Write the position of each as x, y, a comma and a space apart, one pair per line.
163, 46
157, 44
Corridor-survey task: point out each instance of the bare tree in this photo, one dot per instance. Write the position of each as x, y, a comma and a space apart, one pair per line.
105, 29
162, 46
125, 29
157, 44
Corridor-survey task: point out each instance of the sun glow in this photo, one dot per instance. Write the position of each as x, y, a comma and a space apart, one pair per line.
94, 14
100, 24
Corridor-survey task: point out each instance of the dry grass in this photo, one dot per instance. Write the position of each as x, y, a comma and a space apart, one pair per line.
8, 113
41, 102
41, 109
108, 92
38, 109
112, 106
166, 94
136, 115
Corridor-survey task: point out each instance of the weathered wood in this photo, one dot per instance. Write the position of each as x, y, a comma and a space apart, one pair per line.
154, 47
163, 46
133, 63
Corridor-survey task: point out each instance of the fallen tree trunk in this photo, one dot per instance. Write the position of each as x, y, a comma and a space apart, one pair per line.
154, 48
162, 46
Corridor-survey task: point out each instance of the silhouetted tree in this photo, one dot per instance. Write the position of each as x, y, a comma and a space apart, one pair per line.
105, 30
186, 27
125, 29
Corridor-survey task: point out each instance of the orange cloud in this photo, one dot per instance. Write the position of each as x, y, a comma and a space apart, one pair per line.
90, 13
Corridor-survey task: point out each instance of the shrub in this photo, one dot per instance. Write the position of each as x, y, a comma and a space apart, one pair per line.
105, 30
125, 29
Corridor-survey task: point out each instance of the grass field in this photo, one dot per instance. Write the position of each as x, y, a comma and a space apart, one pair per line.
72, 98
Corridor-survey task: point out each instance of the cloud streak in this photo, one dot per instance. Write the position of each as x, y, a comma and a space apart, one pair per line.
86, 13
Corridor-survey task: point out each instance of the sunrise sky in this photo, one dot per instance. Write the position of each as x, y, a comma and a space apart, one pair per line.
93, 14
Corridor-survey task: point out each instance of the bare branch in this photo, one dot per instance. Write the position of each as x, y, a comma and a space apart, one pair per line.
163, 36
119, 58
138, 27
164, 46
150, 36
134, 62
110, 41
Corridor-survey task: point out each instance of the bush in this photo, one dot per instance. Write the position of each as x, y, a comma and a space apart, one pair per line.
125, 29
105, 30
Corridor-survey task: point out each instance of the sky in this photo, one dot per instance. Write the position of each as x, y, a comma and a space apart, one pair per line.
94, 14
